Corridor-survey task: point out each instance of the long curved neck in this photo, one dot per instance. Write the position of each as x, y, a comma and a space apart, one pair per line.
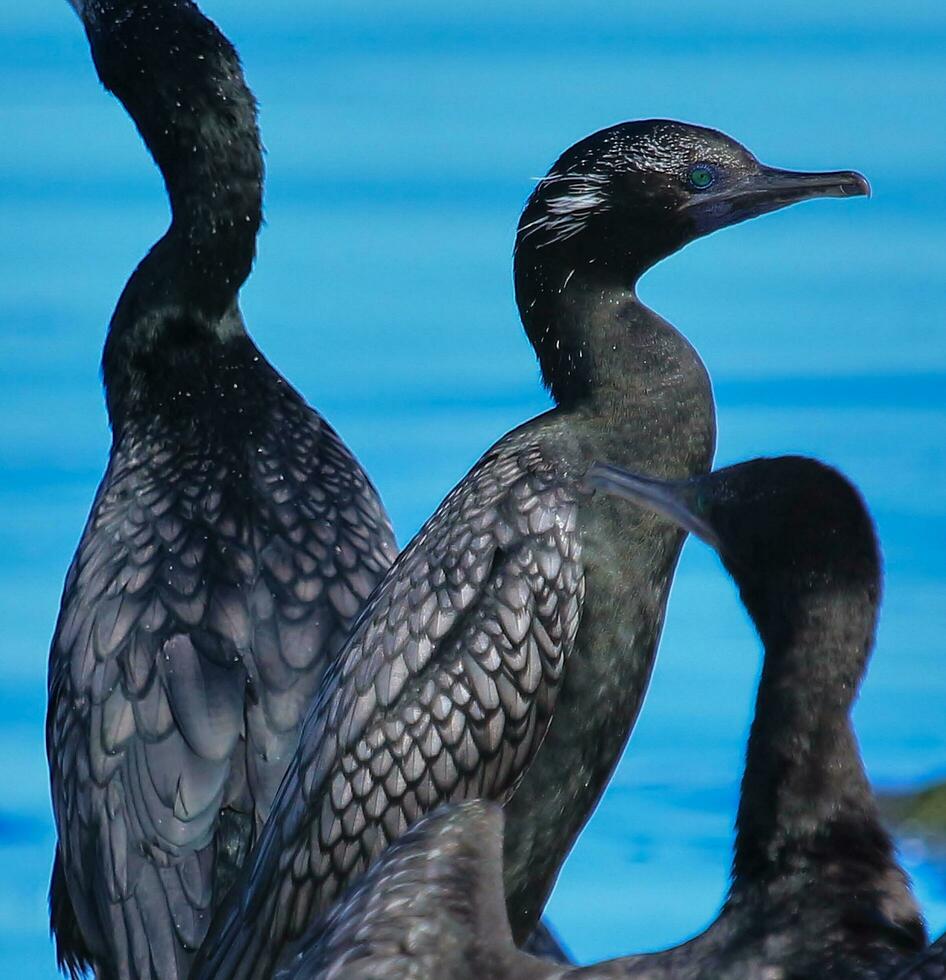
806, 799
597, 344
181, 82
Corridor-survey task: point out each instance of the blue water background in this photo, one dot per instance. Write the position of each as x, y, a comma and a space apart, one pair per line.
402, 137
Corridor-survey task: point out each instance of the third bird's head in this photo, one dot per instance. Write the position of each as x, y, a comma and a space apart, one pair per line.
794, 533
626, 197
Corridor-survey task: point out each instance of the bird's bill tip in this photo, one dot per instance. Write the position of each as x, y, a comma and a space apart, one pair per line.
667, 498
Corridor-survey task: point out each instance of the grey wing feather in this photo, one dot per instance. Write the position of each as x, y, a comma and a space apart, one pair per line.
443, 692
196, 620
327, 544
142, 722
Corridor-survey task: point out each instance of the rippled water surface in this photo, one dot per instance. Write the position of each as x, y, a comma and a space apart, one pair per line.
402, 137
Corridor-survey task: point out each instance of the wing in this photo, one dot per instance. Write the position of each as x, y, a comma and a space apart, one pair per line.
433, 899
197, 618
323, 543
443, 692
145, 714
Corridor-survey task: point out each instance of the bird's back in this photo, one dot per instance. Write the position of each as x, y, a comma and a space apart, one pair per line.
232, 542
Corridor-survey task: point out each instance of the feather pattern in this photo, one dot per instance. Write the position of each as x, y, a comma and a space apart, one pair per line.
429, 907
443, 692
214, 580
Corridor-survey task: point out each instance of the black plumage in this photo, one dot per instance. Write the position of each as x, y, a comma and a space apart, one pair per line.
816, 889
232, 541
506, 652
928, 965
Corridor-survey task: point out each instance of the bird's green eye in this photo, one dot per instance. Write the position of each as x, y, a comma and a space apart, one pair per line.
701, 176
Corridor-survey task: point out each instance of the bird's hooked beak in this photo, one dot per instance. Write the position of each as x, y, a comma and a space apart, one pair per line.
670, 498
770, 189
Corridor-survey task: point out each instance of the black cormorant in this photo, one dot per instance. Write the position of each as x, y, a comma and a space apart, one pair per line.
232, 542
816, 888
522, 601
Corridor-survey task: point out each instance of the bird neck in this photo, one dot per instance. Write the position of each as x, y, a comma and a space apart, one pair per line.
181, 82
598, 346
805, 796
